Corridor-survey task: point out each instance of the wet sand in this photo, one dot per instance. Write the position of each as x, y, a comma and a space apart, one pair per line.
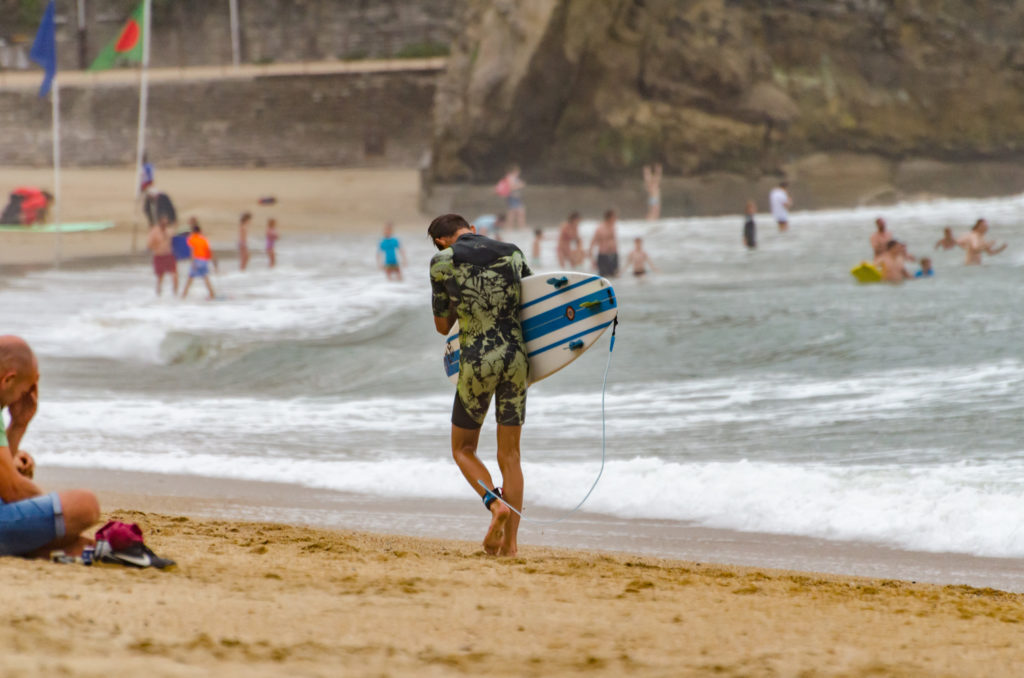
308, 201
282, 502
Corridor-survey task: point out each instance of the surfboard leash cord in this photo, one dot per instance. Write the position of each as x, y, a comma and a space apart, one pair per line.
604, 446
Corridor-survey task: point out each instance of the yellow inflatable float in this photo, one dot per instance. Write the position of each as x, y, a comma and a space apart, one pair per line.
866, 272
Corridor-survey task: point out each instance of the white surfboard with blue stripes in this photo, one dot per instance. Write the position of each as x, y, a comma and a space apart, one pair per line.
563, 314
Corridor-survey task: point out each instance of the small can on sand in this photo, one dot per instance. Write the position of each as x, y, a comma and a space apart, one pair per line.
87, 555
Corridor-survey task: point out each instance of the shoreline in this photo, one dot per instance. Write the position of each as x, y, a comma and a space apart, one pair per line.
231, 499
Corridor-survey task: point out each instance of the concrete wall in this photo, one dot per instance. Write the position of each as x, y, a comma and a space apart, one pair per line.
335, 120
197, 32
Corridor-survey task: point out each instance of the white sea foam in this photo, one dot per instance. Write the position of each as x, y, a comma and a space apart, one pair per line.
955, 507
113, 314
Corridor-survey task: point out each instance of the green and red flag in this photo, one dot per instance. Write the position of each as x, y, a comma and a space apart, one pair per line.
127, 46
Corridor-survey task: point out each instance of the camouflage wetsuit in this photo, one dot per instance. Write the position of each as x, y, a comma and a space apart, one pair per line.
481, 277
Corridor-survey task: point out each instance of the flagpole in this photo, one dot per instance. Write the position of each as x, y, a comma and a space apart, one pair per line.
235, 41
143, 104
55, 99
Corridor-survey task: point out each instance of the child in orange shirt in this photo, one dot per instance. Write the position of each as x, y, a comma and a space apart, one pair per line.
202, 255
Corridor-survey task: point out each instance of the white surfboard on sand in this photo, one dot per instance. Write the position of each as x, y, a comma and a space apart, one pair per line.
563, 314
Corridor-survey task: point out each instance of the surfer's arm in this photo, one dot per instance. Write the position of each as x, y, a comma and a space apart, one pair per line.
444, 324
992, 249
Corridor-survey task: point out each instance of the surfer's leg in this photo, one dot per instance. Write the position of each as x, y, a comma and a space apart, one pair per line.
464, 442
512, 483
510, 409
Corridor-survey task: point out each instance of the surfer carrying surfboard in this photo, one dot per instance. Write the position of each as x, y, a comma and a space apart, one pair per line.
476, 280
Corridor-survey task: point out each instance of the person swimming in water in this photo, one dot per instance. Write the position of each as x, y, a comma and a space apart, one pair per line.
892, 262
639, 259
947, 242
926, 269
975, 244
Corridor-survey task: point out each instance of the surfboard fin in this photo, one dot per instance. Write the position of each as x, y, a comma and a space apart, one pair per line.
575, 345
590, 304
558, 282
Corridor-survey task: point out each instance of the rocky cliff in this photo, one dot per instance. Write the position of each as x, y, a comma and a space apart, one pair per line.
586, 91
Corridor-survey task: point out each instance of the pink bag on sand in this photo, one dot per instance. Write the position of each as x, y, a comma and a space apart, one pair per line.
120, 535
122, 543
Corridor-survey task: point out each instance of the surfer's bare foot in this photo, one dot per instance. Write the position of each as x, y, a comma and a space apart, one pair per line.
494, 539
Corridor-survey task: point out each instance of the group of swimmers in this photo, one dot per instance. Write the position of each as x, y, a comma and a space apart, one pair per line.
161, 243
603, 250
891, 255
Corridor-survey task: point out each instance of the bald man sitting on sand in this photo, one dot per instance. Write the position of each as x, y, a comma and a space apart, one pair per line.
32, 523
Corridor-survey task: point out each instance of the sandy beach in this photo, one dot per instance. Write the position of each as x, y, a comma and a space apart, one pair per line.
264, 599
308, 201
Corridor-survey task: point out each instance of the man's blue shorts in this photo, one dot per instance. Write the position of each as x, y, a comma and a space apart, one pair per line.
30, 524
200, 268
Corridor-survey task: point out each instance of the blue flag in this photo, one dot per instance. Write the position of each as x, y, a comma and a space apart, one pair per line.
44, 49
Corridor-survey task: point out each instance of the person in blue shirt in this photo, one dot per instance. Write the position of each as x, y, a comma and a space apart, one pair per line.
388, 252
926, 269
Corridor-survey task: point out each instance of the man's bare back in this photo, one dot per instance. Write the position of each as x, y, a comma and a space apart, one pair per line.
159, 242
604, 238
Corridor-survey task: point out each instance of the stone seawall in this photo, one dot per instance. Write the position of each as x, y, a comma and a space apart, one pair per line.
314, 120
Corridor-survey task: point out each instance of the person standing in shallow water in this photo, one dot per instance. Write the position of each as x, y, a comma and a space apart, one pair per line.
391, 249
880, 238
511, 187
652, 184
975, 243
272, 238
606, 246
570, 245
749, 227
202, 256
243, 240
164, 261
781, 204
476, 280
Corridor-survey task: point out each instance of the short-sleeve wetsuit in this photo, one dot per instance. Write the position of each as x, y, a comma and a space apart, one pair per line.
480, 276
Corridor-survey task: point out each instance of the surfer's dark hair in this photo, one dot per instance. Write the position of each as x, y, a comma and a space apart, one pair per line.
446, 225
